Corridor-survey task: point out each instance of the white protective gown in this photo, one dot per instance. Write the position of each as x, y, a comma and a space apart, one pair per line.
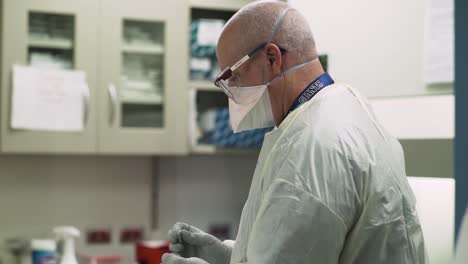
330, 187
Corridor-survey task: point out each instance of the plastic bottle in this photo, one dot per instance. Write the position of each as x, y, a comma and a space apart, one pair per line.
43, 251
67, 234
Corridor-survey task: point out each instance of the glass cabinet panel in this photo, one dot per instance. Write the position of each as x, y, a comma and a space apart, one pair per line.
50, 40
142, 90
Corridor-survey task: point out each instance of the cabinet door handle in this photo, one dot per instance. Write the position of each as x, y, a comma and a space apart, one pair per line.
86, 106
113, 96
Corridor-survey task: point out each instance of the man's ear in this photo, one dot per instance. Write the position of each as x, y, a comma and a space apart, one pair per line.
274, 57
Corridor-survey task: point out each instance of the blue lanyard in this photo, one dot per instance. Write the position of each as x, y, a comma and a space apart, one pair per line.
311, 90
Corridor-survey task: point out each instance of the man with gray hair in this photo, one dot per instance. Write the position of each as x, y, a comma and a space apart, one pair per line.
330, 183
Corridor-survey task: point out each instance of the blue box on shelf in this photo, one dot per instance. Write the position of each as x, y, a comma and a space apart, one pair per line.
223, 136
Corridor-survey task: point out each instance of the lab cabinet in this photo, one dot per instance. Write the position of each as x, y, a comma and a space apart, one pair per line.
205, 96
134, 54
58, 34
143, 56
210, 131
232, 5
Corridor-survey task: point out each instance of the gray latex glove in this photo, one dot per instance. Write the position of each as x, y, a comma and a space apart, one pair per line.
176, 259
189, 241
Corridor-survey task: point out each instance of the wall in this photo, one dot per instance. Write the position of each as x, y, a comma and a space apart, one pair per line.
202, 189
436, 211
429, 158
425, 127
376, 46
39, 192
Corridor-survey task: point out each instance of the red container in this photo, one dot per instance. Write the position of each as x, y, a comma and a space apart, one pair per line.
151, 252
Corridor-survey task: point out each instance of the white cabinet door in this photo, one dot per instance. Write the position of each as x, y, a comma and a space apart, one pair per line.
49, 31
143, 101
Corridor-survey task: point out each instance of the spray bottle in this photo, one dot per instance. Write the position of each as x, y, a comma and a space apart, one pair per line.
67, 235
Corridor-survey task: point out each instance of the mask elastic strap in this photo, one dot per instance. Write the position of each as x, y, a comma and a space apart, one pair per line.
292, 69
275, 28
277, 24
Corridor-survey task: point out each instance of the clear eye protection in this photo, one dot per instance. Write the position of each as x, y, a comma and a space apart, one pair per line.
229, 81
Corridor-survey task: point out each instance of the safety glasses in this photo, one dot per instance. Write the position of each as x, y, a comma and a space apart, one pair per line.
230, 82
226, 81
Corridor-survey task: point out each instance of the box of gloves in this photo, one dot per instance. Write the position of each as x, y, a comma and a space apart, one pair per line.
216, 130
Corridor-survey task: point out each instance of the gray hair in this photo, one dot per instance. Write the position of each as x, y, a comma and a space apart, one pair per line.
257, 20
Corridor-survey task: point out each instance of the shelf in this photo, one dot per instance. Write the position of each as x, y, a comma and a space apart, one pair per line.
204, 86
210, 149
51, 43
143, 49
418, 117
148, 100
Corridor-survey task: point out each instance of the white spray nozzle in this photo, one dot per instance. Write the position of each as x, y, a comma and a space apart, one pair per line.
66, 231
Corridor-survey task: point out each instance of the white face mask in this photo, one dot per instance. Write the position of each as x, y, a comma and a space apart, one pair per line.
256, 114
256, 111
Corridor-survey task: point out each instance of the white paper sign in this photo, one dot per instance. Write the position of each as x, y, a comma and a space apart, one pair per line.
48, 99
209, 31
439, 42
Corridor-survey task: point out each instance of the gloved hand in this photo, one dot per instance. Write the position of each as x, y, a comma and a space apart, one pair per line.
190, 241
176, 259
